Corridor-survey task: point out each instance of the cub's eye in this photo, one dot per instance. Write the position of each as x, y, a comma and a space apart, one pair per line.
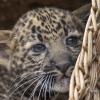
72, 40
39, 48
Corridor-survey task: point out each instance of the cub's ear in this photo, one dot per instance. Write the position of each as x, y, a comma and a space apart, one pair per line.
4, 46
83, 12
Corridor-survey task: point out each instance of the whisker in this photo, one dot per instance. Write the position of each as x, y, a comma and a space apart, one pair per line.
38, 84
42, 88
43, 91
50, 82
24, 77
29, 87
21, 86
53, 81
46, 86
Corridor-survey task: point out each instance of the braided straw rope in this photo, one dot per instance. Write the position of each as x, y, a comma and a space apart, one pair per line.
85, 79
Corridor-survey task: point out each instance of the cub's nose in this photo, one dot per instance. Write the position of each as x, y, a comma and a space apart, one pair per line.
61, 67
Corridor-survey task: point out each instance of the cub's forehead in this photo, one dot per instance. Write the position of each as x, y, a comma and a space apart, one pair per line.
50, 22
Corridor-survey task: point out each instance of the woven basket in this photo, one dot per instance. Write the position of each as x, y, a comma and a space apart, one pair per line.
85, 79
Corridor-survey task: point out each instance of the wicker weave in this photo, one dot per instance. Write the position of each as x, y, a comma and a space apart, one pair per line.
85, 79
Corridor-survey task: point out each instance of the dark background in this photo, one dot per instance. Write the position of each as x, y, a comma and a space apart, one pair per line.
11, 10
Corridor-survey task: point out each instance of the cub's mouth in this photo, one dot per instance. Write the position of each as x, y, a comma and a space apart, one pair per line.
61, 85
60, 80
41, 84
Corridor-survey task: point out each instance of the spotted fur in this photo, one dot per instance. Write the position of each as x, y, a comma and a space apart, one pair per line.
44, 46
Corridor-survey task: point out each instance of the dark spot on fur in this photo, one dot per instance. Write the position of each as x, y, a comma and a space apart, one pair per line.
30, 23
33, 29
43, 18
38, 18
58, 26
63, 22
54, 30
21, 38
42, 23
47, 27
66, 30
40, 37
22, 59
38, 28
54, 17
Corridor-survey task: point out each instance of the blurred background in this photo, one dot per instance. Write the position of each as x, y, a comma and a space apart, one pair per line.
11, 10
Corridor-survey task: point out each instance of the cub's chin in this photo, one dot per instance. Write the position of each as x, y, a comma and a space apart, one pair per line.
61, 85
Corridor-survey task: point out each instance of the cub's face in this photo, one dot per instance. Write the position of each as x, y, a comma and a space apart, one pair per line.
47, 42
